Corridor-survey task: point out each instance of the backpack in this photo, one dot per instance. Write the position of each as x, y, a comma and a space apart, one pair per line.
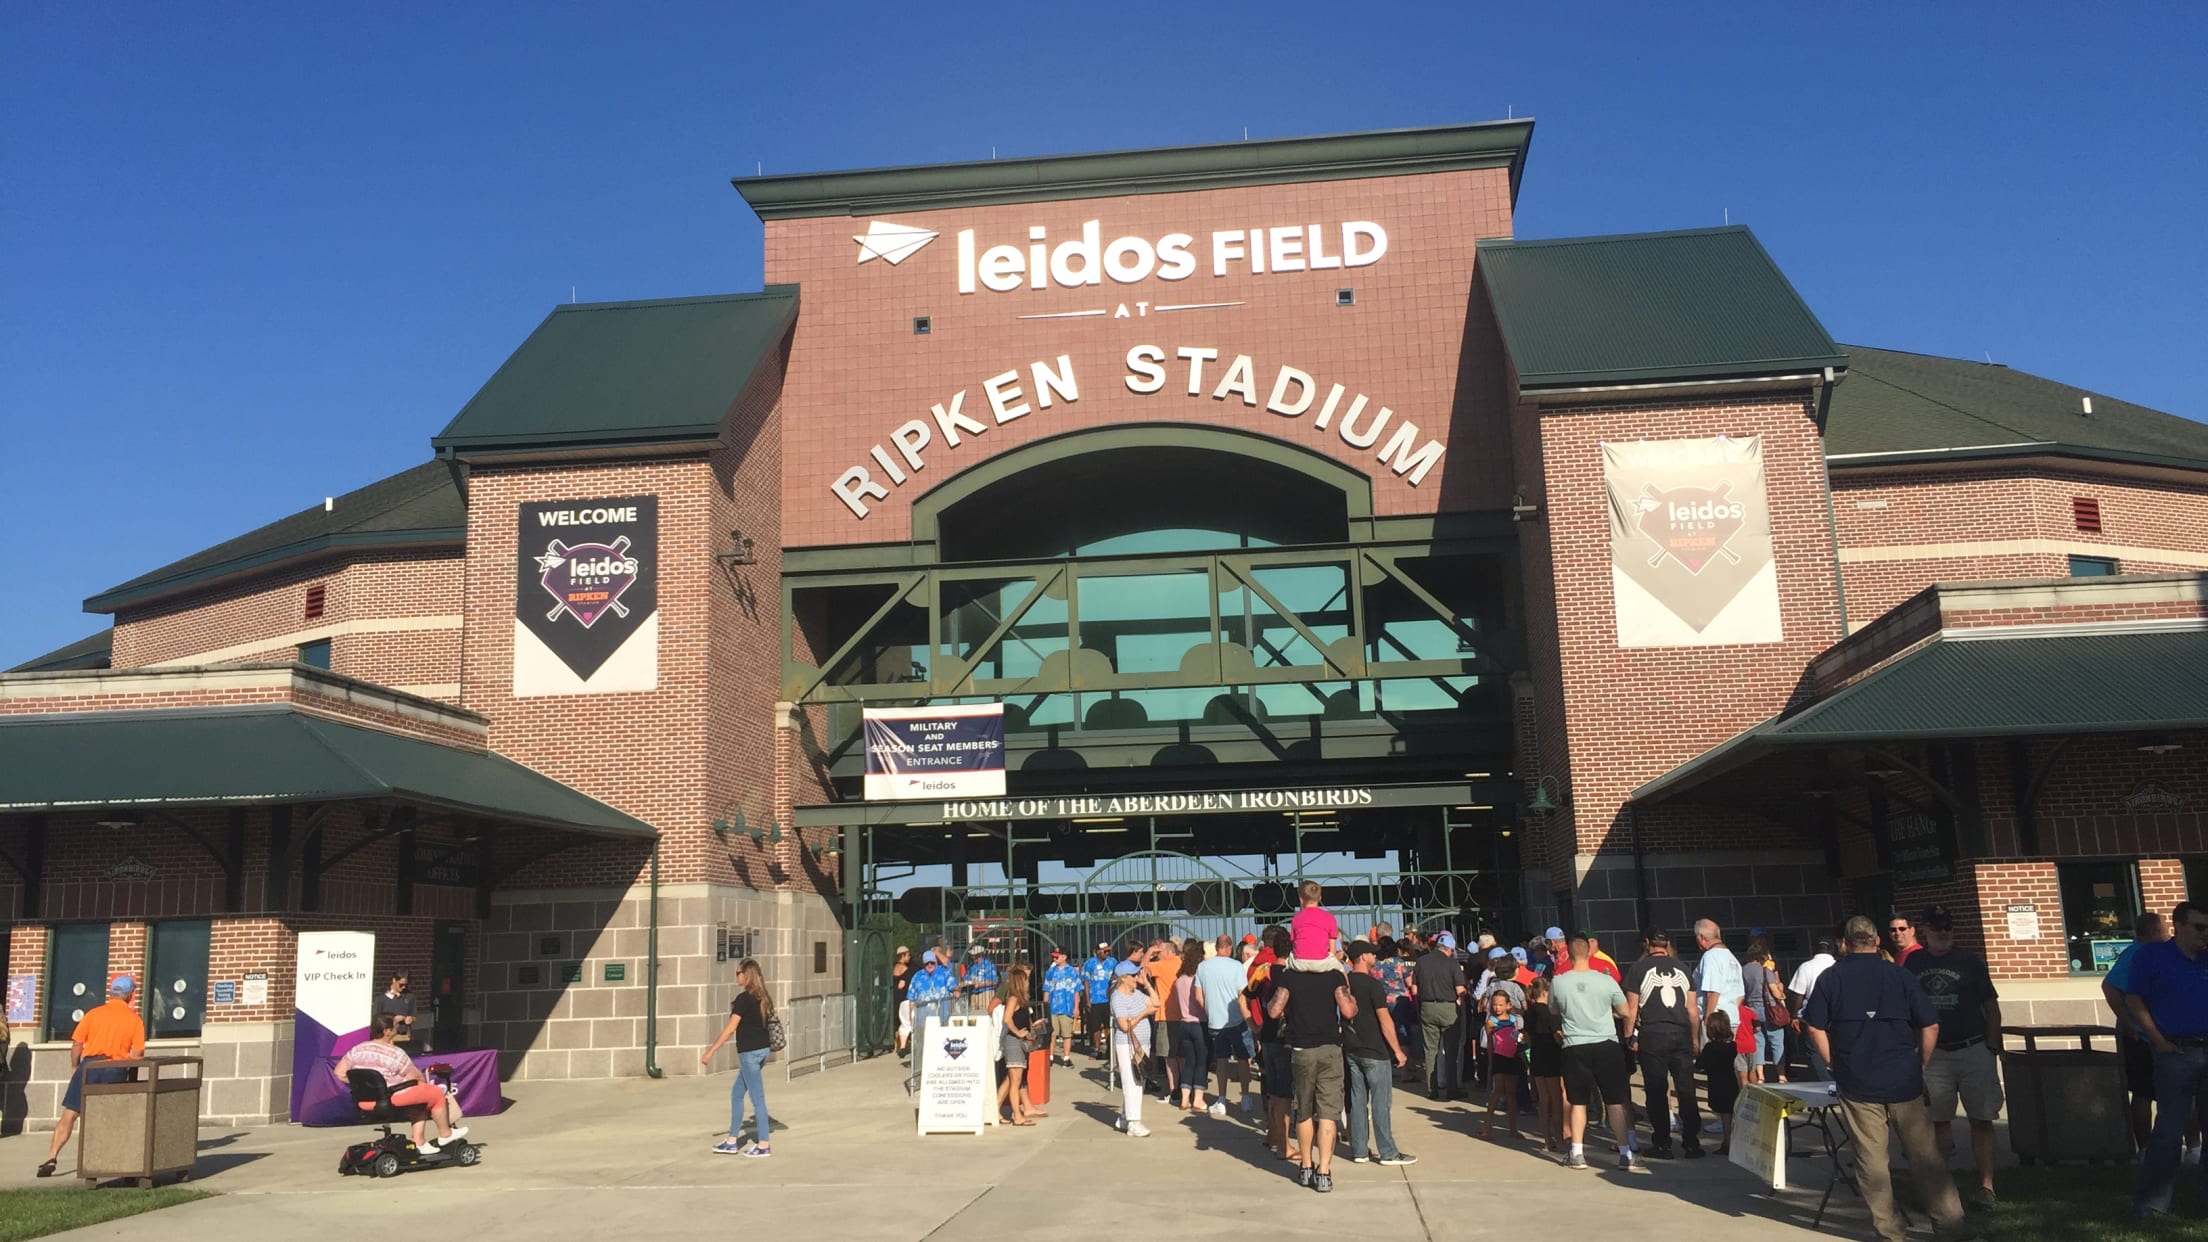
1504, 1040
777, 1037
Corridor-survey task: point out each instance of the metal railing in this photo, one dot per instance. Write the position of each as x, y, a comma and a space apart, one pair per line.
821, 1032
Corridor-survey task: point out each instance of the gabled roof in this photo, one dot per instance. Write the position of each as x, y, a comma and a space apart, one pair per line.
414, 508
1705, 304
1955, 689
611, 374
92, 651
1158, 170
1901, 404
266, 755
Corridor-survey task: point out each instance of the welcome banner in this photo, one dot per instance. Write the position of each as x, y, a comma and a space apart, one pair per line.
934, 752
1690, 542
586, 597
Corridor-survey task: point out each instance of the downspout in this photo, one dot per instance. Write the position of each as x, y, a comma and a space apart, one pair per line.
1830, 380
1640, 863
651, 978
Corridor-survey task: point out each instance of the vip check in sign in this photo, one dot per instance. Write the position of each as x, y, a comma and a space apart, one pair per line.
934, 752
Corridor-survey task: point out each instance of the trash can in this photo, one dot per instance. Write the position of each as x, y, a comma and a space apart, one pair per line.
2066, 1102
1038, 1076
143, 1127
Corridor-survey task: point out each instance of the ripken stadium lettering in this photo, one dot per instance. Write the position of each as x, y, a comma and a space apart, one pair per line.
1291, 394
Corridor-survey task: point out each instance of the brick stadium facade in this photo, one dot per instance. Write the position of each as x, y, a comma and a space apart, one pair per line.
1348, 309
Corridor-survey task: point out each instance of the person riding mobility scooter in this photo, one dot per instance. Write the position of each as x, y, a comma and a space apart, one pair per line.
388, 1087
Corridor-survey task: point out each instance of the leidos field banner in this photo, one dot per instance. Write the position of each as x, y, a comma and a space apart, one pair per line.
934, 752
586, 597
1690, 543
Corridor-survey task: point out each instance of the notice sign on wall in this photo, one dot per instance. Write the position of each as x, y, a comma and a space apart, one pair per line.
586, 597
934, 752
1690, 543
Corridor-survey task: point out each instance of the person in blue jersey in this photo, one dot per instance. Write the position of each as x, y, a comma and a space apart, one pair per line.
1062, 989
980, 981
930, 994
1097, 972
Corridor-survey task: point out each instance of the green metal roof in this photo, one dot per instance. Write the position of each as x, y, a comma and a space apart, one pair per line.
1897, 403
263, 755
1957, 688
91, 651
1706, 304
608, 374
414, 508
1163, 170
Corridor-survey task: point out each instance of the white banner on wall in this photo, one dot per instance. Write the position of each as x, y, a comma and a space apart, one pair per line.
1690, 542
333, 999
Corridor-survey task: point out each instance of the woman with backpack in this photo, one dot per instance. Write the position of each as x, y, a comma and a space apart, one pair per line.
751, 1022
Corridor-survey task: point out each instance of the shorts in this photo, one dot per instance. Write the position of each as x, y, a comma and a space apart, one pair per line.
1509, 1067
1167, 1036
904, 1017
1320, 1079
1061, 1026
1313, 965
1965, 1075
1100, 1016
1230, 1043
1014, 1050
2139, 1067
72, 1096
1280, 1072
1589, 1068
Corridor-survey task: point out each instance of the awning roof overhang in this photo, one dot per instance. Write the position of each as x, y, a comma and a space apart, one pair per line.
1996, 685
273, 755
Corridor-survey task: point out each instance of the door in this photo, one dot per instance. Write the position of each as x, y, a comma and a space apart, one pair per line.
78, 976
448, 983
176, 978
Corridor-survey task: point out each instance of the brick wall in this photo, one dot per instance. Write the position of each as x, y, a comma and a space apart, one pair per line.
2162, 885
1998, 885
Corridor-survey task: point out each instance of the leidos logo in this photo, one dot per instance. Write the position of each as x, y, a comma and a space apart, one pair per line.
1691, 525
1087, 260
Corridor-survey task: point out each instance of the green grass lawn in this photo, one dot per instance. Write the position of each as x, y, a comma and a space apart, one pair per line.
37, 1211
2081, 1204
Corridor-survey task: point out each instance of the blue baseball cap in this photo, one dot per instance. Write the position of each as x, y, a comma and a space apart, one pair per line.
1554, 933
1518, 952
1446, 941
928, 957
121, 985
1125, 968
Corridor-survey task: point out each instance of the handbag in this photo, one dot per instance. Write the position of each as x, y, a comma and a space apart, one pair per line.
777, 1037
1778, 1016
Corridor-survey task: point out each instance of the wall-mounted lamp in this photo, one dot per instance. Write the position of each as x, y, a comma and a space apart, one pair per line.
1520, 511
1542, 802
2158, 744
739, 551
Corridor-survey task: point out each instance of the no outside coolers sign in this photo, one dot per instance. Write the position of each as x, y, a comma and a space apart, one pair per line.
586, 597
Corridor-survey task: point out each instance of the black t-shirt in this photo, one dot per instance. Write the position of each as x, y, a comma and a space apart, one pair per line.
402, 1005
1363, 1037
1018, 1018
1313, 1019
1666, 989
1959, 987
1437, 978
901, 983
751, 1033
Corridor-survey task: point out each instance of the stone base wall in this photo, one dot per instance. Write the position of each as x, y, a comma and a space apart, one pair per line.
245, 1073
1790, 893
550, 1007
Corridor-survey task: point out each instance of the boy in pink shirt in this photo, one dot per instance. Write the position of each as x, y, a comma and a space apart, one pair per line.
1313, 932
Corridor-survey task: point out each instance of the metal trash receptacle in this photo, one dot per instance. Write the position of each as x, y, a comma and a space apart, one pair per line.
2066, 1103
145, 1126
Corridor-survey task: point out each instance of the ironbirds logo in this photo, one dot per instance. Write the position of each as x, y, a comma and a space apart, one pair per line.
587, 579
954, 1048
1691, 525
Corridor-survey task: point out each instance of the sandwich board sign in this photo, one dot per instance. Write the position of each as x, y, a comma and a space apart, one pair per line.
957, 1075
1760, 1132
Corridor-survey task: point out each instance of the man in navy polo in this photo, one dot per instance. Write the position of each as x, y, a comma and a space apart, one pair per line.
2167, 993
1873, 1023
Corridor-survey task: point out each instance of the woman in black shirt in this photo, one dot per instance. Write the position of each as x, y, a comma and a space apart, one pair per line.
1016, 1018
900, 984
1545, 1062
748, 1016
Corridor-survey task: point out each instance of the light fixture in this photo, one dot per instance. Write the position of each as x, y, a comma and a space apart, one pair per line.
2158, 744
739, 552
1101, 819
1542, 802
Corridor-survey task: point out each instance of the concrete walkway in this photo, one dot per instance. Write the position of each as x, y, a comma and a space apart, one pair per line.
566, 1160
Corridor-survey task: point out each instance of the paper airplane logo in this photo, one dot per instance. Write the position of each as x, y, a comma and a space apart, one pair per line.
892, 243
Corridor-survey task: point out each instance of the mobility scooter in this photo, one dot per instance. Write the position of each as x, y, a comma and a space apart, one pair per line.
394, 1154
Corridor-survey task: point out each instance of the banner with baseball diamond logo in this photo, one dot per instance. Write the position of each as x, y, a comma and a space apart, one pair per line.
586, 597
1690, 542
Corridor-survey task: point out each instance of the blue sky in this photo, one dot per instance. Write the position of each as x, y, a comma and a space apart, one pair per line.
254, 254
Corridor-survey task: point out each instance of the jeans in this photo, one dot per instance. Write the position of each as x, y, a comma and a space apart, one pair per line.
1371, 1086
921, 1012
1771, 1046
2180, 1082
1819, 1068
1874, 1177
1404, 1011
1670, 1063
1195, 1056
751, 1080
1444, 1061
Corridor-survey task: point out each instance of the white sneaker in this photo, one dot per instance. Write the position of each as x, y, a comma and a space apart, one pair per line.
427, 1147
1218, 1109
458, 1133
1136, 1129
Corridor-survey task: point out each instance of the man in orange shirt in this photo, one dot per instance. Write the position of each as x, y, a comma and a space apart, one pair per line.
1163, 967
112, 1032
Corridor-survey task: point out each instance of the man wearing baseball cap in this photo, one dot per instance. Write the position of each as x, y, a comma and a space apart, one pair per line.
1062, 989
1098, 972
110, 1032
980, 980
1438, 983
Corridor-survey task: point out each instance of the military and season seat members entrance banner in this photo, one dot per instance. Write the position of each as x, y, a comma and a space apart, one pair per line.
934, 752
586, 597
1690, 542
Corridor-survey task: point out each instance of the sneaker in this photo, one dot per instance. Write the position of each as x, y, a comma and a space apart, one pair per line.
1625, 1162
458, 1133
1136, 1129
757, 1151
1576, 1160
1323, 1183
1693, 1151
427, 1147
1218, 1109
1399, 1158
1360, 1158
1305, 1175
728, 1147
1661, 1151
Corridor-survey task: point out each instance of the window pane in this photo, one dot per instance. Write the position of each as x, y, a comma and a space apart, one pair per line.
315, 654
1145, 623
176, 979
2100, 902
2092, 567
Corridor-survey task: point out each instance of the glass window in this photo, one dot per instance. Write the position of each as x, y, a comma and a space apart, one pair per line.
315, 654
2100, 902
2093, 567
176, 978
76, 979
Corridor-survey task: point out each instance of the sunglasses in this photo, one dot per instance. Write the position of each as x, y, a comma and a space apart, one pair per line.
2198, 927
1898, 928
